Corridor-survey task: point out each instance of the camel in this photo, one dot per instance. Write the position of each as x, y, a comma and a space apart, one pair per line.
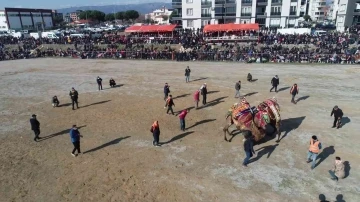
261, 120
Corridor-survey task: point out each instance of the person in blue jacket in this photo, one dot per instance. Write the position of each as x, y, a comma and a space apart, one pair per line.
75, 139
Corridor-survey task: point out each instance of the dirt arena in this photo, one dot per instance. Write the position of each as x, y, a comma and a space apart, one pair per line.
119, 162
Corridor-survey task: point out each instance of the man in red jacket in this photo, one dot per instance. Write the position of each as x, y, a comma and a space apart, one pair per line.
197, 98
182, 116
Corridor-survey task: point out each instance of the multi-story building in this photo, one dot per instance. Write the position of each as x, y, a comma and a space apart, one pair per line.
347, 13
317, 10
158, 15
268, 13
26, 19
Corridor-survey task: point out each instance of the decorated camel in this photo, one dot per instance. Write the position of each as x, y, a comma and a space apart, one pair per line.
261, 120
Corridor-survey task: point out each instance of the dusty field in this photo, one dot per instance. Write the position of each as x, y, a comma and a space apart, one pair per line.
119, 162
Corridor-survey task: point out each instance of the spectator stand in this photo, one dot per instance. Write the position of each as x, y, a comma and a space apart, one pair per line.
231, 32
151, 32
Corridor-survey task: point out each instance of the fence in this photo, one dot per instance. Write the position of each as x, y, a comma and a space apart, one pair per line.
196, 56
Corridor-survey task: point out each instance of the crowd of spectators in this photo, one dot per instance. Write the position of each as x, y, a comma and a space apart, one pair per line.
263, 46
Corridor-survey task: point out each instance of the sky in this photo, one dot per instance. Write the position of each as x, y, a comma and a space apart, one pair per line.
49, 4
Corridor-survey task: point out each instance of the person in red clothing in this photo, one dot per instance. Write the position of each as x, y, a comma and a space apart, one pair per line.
197, 98
182, 116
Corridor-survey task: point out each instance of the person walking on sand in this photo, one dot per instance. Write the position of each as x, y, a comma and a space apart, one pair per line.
275, 82
197, 98
75, 139
314, 150
182, 116
166, 91
338, 114
204, 93
74, 95
338, 171
35, 126
169, 104
248, 147
187, 74
237, 89
294, 91
99, 82
155, 129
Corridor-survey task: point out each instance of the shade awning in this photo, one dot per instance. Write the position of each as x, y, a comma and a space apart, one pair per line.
150, 28
230, 27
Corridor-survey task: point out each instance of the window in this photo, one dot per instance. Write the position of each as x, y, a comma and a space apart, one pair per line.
292, 8
205, 11
230, 10
245, 21
291, 21
246, 9
204, 22
342, 8
189, 11
276, 9
340, 19
190, 23
275, 21
189, 1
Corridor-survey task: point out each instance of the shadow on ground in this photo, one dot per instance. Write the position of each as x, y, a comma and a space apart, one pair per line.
96, 103
287, 125
116, 141
59, 133
213, 102
201, 122
178, 137
180, 96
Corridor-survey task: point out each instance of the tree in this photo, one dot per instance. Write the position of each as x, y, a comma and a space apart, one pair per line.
173, 14
131, 15
93, 15
120, 15
109, 17
165, 17
58, 21
307, 18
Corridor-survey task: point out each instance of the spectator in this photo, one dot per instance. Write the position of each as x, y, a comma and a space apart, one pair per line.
35, 126
338, 114
166, 91
74, 95
275, 82
182, 116
338, 171
187, 74
99, 82
75, 139
55, 101
237, 89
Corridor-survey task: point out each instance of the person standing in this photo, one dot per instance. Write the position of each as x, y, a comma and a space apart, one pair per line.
35, 126
204, 93
237, 89
169, 104
197, 98
155, 129
182, 116
74, 95
338, 114
55, 101
294, 91
338, 171
248, 147
187, 74
275, 82
314, 150
99, 82
166, 91
75, 139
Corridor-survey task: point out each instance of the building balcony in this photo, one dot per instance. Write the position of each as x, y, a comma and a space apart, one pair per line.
357, 11
262, 2
292, 13
276, 2
177, 15
176, 5
261, 14
294, 0
275, 14
217, 2
246, 2
206, 3
205, 15
245, 14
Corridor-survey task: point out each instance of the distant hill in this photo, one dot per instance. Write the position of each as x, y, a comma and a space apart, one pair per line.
142, 8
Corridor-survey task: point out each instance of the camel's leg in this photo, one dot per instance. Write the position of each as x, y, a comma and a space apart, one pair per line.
226, 130
278, 131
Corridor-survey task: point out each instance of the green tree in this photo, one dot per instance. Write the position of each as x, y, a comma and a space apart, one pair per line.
58, 21
307, 18
173, 14
131, 15
109, 17
165, 17
93, 15
120, 15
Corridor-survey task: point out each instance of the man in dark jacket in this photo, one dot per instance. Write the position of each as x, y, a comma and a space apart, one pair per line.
187, 74
55, 101
166, 91
75, 139
74, 95
35, 126
249, 77
294, 91
169, 104
275, 82
237, 89
248, 147
99, 82
204, 93
338, 114
155, 129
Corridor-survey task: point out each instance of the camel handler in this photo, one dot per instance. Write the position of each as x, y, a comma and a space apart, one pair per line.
338, 114
314, 150
169, 104
294, 91
155, 129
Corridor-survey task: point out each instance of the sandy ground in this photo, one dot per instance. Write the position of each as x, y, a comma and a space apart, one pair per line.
119, 162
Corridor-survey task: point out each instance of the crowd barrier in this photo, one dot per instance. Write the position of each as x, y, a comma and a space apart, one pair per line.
224, 56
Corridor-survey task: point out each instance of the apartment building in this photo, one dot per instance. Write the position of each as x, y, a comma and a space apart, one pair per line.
317, 10
347, 13
158, 15
268, 13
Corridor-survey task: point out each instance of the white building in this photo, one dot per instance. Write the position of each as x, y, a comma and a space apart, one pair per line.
26, 19
268, 13
3, 21
158, 15
317, 10
347, 14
